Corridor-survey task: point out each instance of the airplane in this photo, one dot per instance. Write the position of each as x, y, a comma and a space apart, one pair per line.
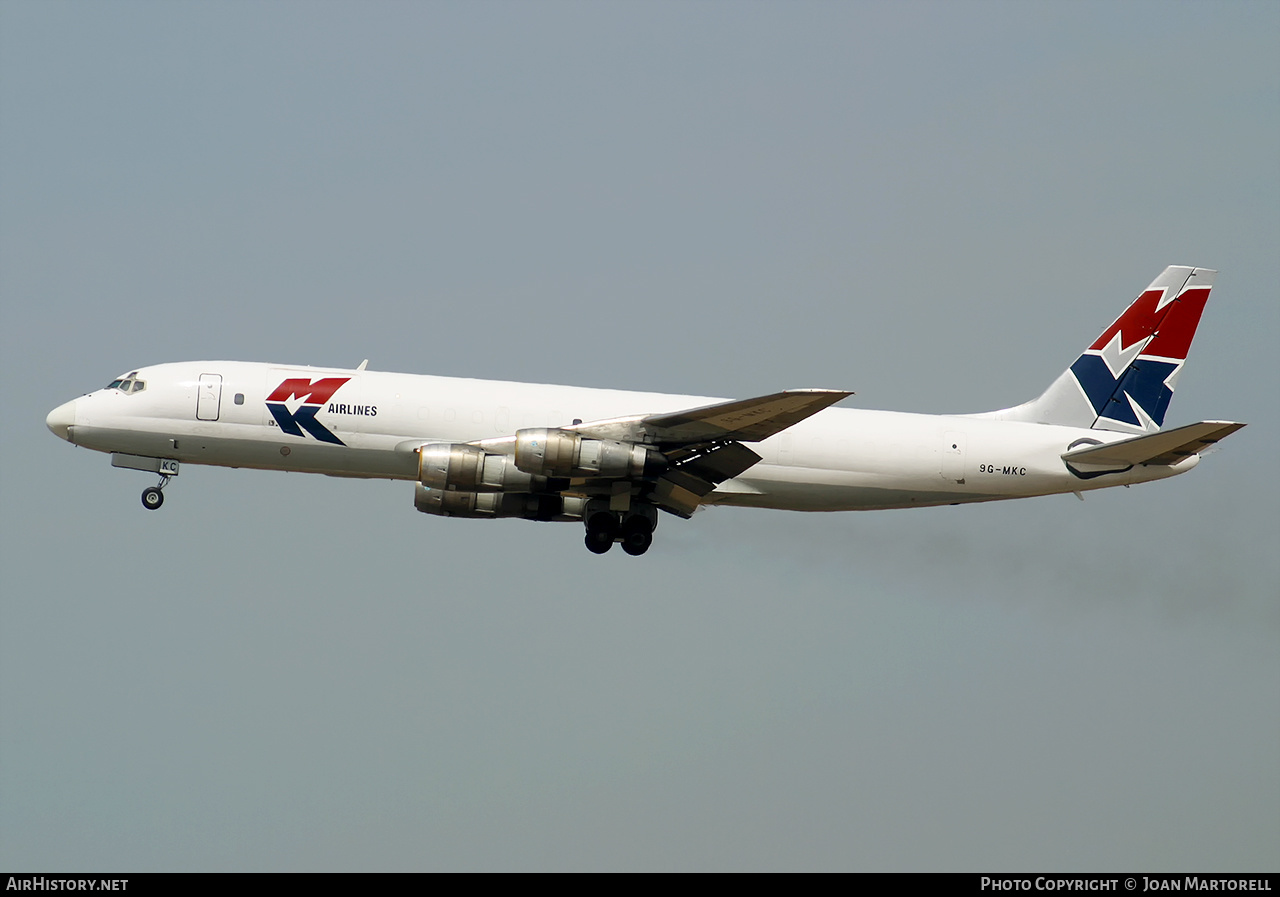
612, 460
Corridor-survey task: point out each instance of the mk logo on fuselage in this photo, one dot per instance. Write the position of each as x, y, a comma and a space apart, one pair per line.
313, 395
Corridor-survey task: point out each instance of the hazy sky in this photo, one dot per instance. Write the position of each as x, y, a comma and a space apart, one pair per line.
937, 205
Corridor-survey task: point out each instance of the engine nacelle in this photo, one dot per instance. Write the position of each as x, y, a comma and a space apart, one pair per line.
559, 453
470, 468
524, 505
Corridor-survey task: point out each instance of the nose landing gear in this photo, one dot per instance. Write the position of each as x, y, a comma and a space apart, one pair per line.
153, 496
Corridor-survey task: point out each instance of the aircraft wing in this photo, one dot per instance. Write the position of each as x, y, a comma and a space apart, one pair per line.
704, 445
744, 420
1166, 447
701, 447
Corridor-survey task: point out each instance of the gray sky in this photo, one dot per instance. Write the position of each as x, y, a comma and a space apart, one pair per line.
937, 205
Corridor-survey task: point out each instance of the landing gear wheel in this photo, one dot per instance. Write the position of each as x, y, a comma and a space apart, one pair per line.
604, 522
598, 542
152, 498
637, 536
637, 544
602, 530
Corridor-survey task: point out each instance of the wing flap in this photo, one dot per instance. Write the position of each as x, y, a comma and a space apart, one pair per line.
720, 462
680, 493
682, 489
1167, 447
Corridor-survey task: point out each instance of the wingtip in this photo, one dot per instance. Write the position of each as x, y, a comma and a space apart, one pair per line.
820, 391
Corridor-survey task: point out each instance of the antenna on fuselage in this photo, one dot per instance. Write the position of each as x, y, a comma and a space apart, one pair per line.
364, 364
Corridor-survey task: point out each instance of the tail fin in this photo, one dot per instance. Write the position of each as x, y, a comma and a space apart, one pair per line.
1125, 379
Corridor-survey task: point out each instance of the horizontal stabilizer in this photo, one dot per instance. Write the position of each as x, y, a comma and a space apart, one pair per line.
1168, 447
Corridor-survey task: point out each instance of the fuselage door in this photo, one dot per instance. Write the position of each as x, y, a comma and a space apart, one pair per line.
209, 399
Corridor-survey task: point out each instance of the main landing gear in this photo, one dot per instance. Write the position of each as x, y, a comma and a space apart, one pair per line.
634, 529
153, 496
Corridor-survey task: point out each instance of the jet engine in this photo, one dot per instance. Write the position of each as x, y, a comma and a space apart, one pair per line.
471, 469
525, 505
559, 453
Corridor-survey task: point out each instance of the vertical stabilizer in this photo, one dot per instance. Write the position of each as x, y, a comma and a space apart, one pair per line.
1125, 379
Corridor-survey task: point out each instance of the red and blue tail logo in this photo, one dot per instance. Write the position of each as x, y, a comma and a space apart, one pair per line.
313, 395
1129, 373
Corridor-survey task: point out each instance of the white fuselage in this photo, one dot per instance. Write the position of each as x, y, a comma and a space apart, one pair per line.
839, 459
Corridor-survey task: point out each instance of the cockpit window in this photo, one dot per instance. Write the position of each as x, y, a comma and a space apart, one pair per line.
129, 383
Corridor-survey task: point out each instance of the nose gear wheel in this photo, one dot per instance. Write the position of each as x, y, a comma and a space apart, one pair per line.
153, 496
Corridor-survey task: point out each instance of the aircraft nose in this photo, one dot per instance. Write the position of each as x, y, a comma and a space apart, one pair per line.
61, 420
